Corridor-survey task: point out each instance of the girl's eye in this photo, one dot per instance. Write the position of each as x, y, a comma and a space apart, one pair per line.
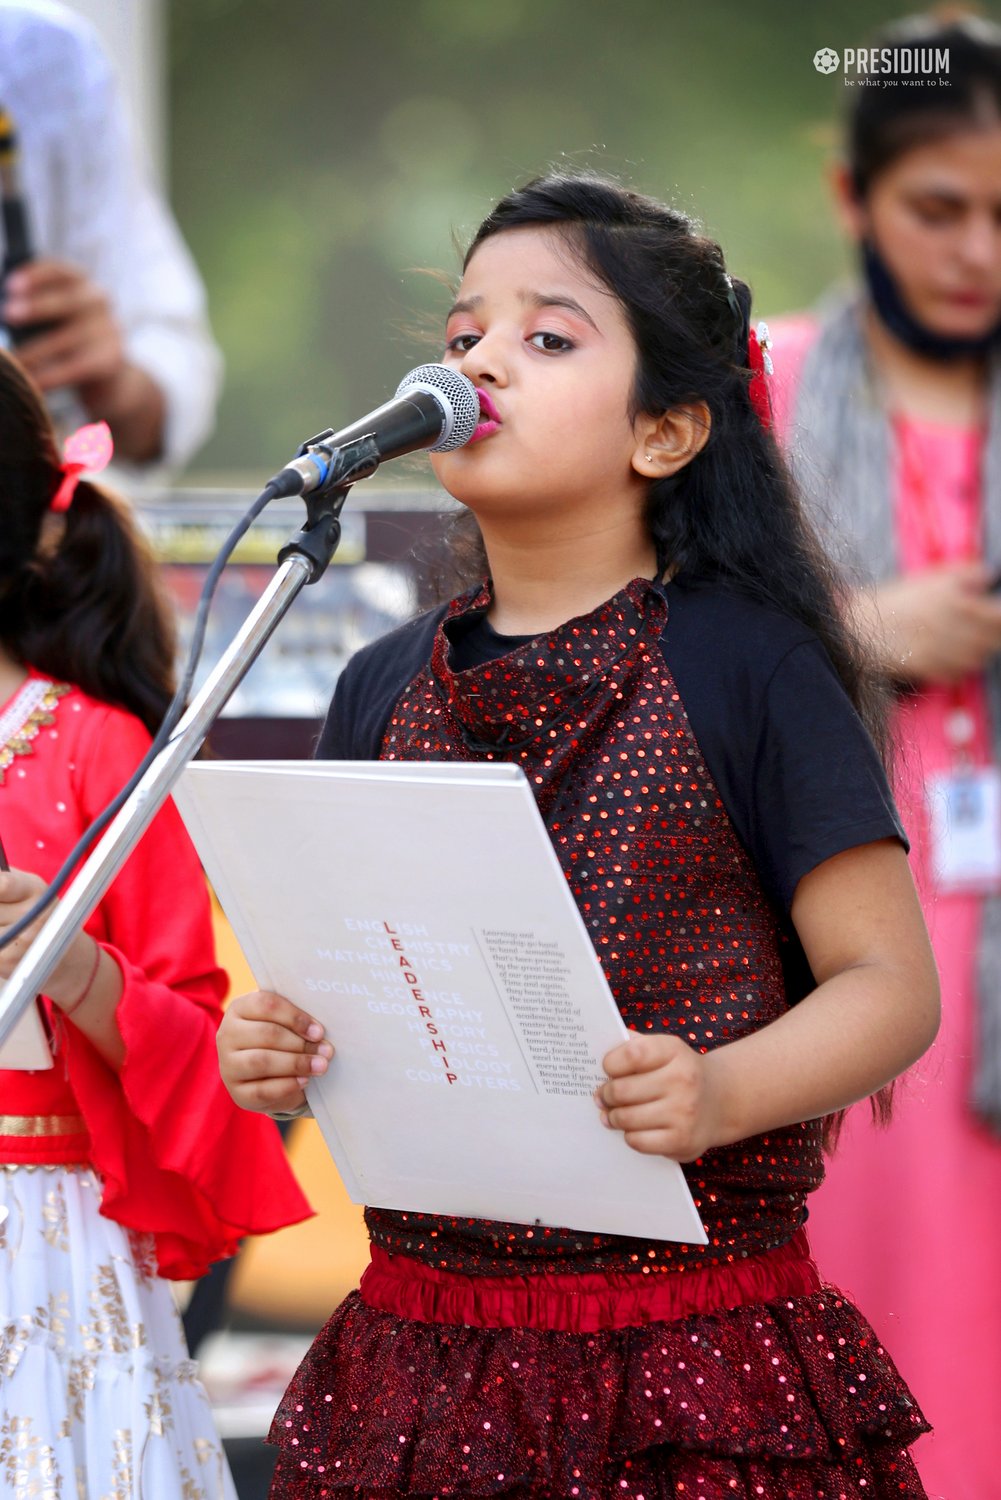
462, 343
551, 343
934, 214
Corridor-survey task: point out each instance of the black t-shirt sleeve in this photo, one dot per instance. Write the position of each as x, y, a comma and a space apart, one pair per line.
369, 688
339, 738
817, 782
797, 771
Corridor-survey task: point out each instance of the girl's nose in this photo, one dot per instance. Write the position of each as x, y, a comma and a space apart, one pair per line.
981, 243
484, 363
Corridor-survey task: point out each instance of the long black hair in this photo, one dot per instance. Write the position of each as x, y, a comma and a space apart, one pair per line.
79, 599
886, 122
732, 513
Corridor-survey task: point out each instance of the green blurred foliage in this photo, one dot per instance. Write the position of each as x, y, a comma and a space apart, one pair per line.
322, 152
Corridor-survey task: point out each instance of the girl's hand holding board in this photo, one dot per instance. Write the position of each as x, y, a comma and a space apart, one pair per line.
268, 1049
874, 1010
661, 1094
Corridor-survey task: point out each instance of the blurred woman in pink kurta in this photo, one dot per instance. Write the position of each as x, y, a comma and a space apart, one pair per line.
889, 401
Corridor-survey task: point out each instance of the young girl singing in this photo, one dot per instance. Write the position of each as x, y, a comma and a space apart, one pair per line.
653, 636
126, 1162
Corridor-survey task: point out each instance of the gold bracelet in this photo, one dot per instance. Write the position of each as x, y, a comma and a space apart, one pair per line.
68, 1010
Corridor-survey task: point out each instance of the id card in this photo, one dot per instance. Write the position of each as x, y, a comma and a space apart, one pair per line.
964, 809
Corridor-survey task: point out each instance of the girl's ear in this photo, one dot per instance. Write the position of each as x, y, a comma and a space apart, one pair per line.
667, 443
848, 205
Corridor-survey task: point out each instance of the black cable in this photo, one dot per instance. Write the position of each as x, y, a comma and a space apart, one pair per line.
169, 722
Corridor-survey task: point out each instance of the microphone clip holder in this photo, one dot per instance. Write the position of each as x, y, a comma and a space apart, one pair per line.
356, 460
319, 537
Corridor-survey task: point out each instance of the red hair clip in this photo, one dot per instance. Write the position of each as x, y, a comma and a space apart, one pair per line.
760, 361
86, 451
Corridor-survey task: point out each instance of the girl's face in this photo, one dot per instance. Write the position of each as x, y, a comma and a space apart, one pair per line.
934, 215
554, 362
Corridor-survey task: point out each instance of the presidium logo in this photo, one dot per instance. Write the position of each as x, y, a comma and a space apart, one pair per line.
883, 67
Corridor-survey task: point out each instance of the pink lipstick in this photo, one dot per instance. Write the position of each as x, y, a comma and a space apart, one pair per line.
490, 418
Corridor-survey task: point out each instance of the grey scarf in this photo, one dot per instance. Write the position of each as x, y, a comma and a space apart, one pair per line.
841, 456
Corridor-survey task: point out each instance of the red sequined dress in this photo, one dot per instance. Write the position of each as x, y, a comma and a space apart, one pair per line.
482, 1358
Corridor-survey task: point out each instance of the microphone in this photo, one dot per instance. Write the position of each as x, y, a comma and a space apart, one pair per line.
434, 407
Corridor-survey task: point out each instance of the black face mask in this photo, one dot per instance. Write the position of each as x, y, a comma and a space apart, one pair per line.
893, 313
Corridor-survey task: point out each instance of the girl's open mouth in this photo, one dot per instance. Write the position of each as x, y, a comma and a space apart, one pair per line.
490, 419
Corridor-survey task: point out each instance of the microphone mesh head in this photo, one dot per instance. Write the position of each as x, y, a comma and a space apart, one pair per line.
457, 397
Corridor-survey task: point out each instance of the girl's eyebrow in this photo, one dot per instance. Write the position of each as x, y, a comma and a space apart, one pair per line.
558, 299
943, 191
938, 194
531, 299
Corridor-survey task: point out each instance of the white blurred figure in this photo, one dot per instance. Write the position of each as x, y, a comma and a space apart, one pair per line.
125, 331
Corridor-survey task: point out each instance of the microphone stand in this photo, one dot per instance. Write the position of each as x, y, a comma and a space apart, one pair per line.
302, 560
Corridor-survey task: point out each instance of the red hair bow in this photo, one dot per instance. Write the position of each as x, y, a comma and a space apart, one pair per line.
760, 361
86, 451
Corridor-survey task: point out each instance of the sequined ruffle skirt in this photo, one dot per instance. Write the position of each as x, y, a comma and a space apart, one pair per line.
98, 1398
790, 1398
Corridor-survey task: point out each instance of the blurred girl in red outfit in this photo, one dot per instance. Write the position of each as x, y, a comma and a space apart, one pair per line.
126, 1162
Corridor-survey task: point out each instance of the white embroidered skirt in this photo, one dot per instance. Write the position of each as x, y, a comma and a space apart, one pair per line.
98, 1398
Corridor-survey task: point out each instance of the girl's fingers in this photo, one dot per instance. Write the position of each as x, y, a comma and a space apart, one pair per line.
634, 1088
641, 1054
675, 1077
264, 1005
269, 1049
276, 1094
19, 885
654, 1143
267, 1063
652, 1116
270, 1035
